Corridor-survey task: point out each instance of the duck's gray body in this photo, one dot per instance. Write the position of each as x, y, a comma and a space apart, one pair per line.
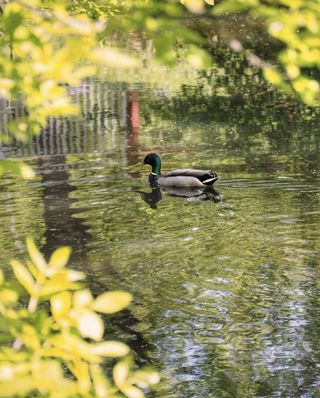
182, 178
179, 178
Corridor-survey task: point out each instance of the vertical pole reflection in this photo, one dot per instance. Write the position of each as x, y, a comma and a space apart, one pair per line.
77, 121
113, 123
98, 116
106, 114
133, 122
123, 114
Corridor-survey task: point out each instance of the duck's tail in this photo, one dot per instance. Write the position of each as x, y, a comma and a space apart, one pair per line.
209, 178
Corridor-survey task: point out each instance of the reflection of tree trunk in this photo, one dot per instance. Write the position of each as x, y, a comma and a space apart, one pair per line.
62, 228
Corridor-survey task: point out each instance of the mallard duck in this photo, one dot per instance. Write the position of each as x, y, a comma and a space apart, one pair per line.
179, 178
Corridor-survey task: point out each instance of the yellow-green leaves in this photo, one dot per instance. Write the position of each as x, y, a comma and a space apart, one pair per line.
196, 6
101, 385
308, 89
82, 299
198, 58
111, 302
296, 24
27, 172
21, 377
48, 47
51, 278
129, 382
111, 349
298, 28
61, 306
5, 87
12, 18
23, 276
90, 325
17, 167
273, 76
113, 58
36, 257
47, 345
79, 310
234, 6
120, 373
60, 258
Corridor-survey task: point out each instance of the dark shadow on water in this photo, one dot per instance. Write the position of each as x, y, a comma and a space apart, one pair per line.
63, 229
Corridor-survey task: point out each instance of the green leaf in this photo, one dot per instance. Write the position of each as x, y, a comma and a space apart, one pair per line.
195, 6
61, 305
12, 18
83, 72
120, 373
90, 325
1, 277
132, 392
5, 86
198, 58
234, 6
111, 302
18, 168
23, 276
36, 257
101, 384
20, 387
69, 343
111, 349
82, 299
27, 172
81, 371
273, 76
74, 276
8, 296
60, 257
59, 282
113, 58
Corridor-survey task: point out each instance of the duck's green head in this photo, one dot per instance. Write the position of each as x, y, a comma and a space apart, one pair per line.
154, 160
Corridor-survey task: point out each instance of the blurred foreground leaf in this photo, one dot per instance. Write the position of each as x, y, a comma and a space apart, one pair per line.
49, 345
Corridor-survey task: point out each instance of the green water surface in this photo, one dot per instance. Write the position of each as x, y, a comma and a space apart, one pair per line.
226, 288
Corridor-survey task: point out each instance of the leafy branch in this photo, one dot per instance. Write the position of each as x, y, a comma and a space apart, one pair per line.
60, 352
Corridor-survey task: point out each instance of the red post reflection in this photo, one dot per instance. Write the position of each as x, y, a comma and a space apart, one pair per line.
133, 118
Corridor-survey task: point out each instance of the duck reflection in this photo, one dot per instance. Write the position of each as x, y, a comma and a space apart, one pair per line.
151, 198
155, 195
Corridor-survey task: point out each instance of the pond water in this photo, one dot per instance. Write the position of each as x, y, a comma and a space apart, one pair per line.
226, 287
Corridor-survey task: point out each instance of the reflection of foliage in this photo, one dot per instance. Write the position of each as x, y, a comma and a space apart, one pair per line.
233, 109
44, 346
17, 212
